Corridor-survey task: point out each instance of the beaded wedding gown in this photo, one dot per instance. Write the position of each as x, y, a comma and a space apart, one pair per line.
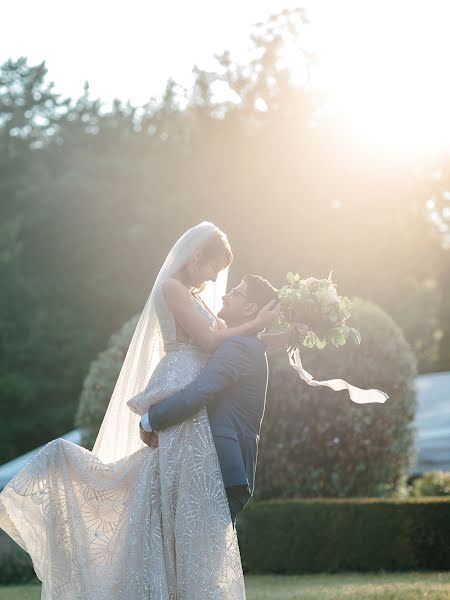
154, 525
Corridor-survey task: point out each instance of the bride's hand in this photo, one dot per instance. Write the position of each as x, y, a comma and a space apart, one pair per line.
267, 315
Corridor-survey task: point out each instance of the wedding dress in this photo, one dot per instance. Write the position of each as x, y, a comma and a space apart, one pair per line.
153, 524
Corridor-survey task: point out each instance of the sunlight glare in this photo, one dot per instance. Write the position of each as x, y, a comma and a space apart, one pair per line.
383, 68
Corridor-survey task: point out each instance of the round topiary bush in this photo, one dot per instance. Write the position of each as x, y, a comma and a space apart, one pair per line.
433, 483
99, 383
316, 442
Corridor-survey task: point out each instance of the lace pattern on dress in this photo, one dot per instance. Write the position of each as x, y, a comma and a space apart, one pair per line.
155, 524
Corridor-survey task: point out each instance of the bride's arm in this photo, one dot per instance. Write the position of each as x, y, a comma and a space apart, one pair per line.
180, 303
219, 323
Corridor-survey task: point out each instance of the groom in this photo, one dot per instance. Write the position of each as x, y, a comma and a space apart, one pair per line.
233, 387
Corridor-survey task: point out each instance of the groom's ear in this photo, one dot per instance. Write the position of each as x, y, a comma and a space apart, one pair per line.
251, 309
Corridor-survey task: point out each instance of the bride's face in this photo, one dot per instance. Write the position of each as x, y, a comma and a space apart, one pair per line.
202, 271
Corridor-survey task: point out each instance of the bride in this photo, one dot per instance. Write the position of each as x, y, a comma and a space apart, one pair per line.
127, 520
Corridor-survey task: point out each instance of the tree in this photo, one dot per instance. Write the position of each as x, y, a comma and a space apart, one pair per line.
96, 198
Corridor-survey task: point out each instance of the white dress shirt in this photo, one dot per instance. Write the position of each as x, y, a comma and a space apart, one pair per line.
145, 423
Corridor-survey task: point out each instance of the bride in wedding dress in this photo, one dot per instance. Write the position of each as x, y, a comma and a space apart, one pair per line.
126, 520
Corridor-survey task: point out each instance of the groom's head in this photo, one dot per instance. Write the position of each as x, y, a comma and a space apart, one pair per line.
244, 301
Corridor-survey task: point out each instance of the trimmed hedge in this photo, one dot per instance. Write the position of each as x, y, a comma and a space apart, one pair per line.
314, 442
320, 536
317, 443
99, 383
331, 535
432, 483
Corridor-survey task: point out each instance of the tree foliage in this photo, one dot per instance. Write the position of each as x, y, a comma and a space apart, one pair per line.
92, 199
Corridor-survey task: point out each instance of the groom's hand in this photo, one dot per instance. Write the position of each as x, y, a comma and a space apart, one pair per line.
149, 438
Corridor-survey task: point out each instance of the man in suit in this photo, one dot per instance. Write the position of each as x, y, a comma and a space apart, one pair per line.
233, 387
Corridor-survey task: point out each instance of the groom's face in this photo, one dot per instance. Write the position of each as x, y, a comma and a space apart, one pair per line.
237, 308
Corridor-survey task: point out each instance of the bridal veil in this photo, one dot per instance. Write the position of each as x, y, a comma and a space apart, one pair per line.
119, 433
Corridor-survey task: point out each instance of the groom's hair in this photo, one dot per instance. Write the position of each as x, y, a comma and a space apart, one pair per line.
259, 290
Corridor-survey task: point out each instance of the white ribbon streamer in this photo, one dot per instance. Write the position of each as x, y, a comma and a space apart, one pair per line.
356, 394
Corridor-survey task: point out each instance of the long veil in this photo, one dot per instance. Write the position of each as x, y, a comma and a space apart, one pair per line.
119, 433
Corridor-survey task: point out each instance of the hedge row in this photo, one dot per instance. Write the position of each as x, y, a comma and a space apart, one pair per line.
317, 536
320, 536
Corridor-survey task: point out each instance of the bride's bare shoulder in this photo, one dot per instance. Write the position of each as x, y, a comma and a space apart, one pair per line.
173, 284
174, 290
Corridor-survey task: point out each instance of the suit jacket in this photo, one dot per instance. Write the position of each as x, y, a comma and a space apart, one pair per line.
233, 387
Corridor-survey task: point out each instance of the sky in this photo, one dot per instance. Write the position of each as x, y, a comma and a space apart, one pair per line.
382, 64
128, 49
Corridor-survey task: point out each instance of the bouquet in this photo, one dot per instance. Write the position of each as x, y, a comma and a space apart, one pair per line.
316, 303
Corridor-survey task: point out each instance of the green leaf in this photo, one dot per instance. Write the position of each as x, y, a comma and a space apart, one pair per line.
310, 340
290, 277
321, 344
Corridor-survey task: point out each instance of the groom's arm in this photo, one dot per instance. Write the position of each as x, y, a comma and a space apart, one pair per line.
226, 366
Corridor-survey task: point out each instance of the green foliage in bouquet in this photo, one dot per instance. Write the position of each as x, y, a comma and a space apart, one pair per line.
316, 303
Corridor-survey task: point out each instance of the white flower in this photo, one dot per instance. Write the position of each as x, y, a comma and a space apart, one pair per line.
327, 296
310, 281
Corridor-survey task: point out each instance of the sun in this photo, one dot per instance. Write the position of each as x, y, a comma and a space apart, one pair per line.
383, 69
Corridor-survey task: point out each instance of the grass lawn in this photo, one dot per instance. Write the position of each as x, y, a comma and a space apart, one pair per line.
20, 592
406, 586
409, 586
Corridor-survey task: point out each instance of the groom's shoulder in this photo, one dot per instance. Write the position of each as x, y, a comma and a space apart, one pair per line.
244, 343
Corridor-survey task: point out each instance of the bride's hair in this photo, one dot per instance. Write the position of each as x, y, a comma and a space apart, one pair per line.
217, 248
259, 290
